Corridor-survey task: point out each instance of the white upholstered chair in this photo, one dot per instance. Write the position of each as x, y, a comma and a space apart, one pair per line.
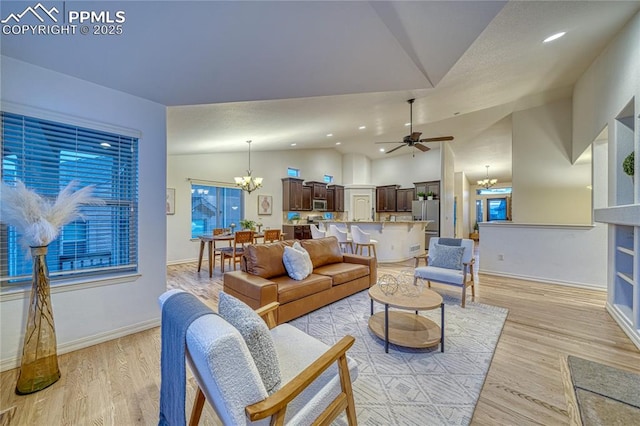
446, 265
315, 232
361, 240
343, 238
313, 386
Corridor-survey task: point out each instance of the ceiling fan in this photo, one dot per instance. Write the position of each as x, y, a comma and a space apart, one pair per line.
413, 139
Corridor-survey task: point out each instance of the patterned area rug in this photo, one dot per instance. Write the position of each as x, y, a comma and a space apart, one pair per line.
413, 386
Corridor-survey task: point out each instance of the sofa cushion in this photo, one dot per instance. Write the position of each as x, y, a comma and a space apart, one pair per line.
265, 260
341, 273
257, 337
297, 262
290, 289
323, 251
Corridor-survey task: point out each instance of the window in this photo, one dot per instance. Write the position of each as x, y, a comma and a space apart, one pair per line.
328, 178
293, 172
497, 208
214, 207
479, 212
493, 191
46, 156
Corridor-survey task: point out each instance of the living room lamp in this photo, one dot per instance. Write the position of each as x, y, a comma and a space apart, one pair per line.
487, 183
249, 183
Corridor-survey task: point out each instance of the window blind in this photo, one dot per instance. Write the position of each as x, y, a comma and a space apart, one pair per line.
46, 156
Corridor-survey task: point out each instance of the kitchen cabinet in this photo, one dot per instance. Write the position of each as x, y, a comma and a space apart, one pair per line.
318, 190
386, 198
306, 197
338, 198
404, 197
292, 194
330, 200
296, 232
429, 186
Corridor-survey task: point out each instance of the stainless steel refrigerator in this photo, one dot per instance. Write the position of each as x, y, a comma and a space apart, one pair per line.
428, 210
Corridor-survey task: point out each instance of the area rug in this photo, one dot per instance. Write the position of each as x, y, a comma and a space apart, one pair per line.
413, 386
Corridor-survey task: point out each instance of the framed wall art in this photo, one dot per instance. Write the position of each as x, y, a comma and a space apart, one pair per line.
265, 204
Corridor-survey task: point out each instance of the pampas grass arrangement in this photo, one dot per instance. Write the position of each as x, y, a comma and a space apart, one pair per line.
39, 219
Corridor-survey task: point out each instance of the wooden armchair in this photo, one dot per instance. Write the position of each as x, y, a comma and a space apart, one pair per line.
227, 376
443, 271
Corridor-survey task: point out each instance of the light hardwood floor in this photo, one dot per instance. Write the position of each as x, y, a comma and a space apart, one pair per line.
117, 382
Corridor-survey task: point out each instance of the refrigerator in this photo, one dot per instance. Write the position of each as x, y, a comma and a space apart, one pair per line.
428, 210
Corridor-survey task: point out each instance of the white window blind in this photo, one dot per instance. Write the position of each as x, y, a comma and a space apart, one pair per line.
46, 156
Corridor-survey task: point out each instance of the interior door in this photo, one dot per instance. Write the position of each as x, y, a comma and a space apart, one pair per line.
361, 207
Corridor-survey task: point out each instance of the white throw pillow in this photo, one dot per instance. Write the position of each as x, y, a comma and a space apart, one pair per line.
297, 262
307, 258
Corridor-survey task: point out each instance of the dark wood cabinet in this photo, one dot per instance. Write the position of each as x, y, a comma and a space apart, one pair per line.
404, 197
318, 190
336, 199
296, 232
330, 200
386, 198
306, 197
429, 186
292, 194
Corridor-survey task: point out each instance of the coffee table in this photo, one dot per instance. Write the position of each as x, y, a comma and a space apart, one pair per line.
405, 328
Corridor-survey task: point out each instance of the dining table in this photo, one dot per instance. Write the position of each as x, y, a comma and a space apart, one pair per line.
210, 240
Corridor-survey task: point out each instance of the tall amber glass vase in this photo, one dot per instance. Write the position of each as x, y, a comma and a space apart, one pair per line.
39, 367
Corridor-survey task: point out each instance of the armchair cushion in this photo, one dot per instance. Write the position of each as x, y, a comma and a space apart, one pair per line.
297, 262
256, 336
446, 256
442, 275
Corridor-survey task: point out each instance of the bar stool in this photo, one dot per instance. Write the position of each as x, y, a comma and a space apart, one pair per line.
342, 237
316, 233
361, 239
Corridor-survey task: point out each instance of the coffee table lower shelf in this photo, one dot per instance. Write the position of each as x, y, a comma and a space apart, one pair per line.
406, 329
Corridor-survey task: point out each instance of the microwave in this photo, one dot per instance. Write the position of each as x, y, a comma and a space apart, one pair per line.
319, 205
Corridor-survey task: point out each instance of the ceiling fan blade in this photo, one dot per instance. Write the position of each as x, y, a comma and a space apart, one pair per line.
415, 136
438, 139
390, 142
394, 149
422, 147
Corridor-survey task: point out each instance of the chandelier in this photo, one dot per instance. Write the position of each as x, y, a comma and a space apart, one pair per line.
486, 182
249, 183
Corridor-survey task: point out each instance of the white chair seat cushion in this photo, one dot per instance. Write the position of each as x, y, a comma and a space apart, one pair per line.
296, 351
443, 275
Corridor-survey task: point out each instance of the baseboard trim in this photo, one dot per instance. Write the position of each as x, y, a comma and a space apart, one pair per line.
544, 280
181, 261
85, 342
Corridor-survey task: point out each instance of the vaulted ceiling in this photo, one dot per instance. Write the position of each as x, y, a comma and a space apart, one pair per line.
283, 73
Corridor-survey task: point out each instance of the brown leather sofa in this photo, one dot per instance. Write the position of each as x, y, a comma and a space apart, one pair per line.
263, 278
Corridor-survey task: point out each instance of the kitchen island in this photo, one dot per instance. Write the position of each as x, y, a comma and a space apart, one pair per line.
397, 241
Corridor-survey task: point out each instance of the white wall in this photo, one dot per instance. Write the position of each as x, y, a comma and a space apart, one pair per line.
609, 83
463, 205
447, 185
272, 166
553, 253
356, 169
404, 170
86, 316
547, 187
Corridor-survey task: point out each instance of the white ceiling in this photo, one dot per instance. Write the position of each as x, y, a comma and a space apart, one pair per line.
291, 72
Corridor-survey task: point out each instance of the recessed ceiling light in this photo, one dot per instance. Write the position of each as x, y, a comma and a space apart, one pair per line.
329, 135
407, 124
381, 149
338, 143
105, 145
362, 127
294, 144
554, 37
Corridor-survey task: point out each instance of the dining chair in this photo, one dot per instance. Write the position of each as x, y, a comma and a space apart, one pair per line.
216, 232
343, 238
316, 233
361, 240
271, 235
235, 251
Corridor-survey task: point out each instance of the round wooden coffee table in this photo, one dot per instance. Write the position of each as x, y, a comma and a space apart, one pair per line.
405, 328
